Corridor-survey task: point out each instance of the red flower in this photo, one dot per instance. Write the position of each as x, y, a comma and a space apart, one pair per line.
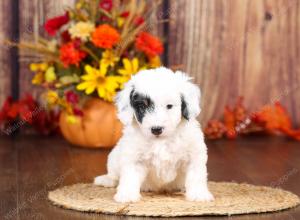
26, 113
71, 54
29, 101
72, 97
27, 108
149, 44
78, 112
106, 5
5, 108
24, 108
124, 14
46, 122
2, 116
54, 24
13, 111
65, 36
105, 19
138, 20
9, 110
229, 121
105, 36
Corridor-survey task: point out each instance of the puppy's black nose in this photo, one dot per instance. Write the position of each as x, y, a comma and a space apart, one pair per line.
157, 130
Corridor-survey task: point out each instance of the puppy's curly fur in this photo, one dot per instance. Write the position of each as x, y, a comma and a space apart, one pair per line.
162, 147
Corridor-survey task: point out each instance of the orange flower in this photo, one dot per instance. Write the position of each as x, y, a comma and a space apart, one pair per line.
70, 54
105, 36
149, 44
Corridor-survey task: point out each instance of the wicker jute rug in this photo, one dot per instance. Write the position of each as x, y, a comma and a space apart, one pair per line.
230, 199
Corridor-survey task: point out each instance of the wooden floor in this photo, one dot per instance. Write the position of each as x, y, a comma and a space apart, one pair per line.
31, 166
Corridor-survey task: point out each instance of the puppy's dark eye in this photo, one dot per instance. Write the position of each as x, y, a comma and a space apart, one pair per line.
169, 106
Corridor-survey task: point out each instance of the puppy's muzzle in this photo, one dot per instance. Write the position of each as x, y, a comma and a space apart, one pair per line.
157, 130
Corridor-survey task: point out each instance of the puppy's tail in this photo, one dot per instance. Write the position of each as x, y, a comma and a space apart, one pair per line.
106, 181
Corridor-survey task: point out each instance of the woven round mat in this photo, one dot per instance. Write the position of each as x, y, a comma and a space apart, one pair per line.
230, 199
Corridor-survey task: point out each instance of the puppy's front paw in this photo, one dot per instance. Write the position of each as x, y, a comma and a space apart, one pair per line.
199, 195
127, 197
105, 181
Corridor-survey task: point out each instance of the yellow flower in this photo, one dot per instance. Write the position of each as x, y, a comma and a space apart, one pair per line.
154, 62
50, 75
120, 21
82, 30
63, 103
109, 58
38, 78
78, 5
34, 67
72, 119
130, 67
96, 79
52, 97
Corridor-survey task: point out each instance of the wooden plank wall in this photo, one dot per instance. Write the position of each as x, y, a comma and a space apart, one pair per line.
233, 47
230, 47
5, 51
33, 15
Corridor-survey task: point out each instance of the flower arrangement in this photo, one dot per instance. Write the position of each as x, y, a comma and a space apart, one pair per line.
272, 119
94, 48
27, 111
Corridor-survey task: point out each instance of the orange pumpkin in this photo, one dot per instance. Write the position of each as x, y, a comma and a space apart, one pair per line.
99, 126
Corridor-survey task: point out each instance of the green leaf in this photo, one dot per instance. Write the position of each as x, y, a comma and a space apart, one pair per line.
69, 79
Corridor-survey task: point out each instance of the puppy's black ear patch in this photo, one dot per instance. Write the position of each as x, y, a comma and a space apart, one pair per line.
141, 105
184, 109
131, 97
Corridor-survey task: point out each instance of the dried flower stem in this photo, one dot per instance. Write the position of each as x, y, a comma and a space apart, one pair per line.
93, 9
141, 8
128, 39
132, 13
90, 52
42, 41
116, 4
128, 33
36, 48
105, 12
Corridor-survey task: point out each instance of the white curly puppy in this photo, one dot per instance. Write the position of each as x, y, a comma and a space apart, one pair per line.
162, 147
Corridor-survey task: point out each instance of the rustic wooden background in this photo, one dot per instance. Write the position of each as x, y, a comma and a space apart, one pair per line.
231, 48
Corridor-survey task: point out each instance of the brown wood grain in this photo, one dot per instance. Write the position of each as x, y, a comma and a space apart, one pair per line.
8, 173
231, 48
31, 166
5, 59
33, 15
